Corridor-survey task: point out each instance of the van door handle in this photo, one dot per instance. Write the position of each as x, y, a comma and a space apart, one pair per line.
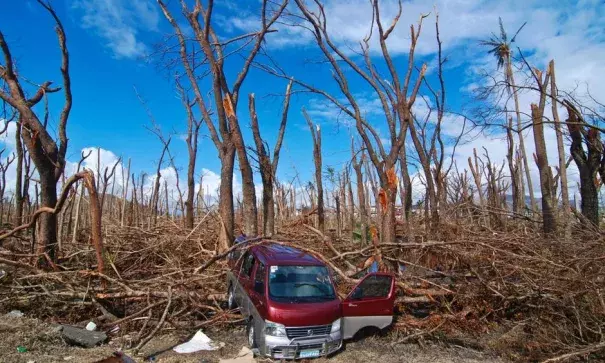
352, 305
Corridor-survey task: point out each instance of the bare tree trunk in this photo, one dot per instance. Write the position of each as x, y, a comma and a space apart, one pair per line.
19, 175
406, 201
106, 178
156, 186
47, 238
589, 161
426, 167
166, 198
268, 168
48, 155
338, 216
250, 213
193, 129
476, 171
77, 217
530, 187
95, 219
349, 186
225, 101
111, 200
361, 195
561, 152
125, 194
61, 218
226, 199
547, 183
134, 205
546, 178
143, 207
316, 134
518, 201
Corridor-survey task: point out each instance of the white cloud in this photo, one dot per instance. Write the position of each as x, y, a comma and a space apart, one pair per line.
8, 137
7, 143
569, 32
119, 23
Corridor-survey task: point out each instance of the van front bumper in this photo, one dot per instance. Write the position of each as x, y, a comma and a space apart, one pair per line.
284, 348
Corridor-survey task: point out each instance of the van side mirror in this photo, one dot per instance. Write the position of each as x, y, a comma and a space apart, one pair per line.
259, 287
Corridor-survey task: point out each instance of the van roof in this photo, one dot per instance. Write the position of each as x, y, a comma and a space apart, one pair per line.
275, 254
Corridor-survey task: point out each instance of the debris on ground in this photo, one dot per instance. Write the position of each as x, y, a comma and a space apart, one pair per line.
244, 356
82, 337
14, 314
200, 341
454, 288
117, 357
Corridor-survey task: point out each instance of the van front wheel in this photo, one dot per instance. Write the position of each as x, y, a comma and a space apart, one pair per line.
251, 333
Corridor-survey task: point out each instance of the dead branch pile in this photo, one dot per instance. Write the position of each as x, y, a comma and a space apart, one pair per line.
543, 296
146, 270
547, 296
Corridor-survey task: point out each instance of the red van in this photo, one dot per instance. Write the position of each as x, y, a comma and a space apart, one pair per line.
291, 305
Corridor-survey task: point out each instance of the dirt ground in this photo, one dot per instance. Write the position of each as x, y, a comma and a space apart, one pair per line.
44, 344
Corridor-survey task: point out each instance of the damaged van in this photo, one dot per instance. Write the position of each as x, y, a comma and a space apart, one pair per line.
291, 306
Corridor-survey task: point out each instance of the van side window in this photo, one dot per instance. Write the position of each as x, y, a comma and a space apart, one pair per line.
235, 255
259, 278
248, 264
377, 286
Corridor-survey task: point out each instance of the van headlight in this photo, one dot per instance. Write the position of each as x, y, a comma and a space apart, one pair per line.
275, 329
336, 326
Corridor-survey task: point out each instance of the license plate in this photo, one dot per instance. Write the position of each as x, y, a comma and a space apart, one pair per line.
309, 354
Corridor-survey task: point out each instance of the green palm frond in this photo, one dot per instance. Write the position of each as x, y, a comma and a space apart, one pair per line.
502, 31
517, 33
499, 46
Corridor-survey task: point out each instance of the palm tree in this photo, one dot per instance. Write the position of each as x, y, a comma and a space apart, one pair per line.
500, 48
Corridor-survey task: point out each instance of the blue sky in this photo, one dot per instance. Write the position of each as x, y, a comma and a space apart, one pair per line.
109, 40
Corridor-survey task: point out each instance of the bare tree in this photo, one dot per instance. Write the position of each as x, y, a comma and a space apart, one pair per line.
228, 138
396, 95
193, 130
125, 180
516, 178
48, 156
361, 193
501, 50
268, 167
107, 175
476, 171
155, 193
560, 151
19, 174
590, 162
3, 168
316, 135
547, 184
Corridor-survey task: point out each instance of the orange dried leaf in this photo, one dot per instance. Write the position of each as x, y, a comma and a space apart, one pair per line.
368, 262
228, 106
373, 232
392, 178
382, 199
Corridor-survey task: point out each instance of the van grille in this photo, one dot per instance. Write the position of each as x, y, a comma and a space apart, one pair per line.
308, 331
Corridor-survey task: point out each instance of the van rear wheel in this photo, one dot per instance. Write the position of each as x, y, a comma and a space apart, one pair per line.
251, 333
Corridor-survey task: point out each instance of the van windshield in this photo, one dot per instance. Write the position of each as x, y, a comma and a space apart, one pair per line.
300, 284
